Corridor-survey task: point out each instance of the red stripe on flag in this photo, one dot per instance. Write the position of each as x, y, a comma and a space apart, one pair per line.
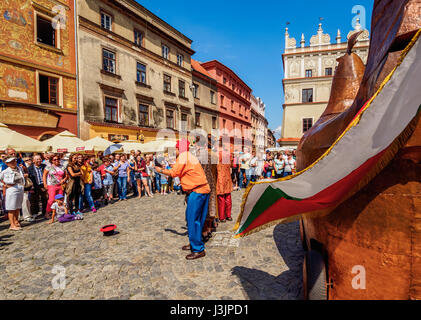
326, 198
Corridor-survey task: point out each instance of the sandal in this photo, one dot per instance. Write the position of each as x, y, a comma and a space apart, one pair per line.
15, 228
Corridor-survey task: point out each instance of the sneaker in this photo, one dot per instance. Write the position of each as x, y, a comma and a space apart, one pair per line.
30, 219
79, 213
93, 210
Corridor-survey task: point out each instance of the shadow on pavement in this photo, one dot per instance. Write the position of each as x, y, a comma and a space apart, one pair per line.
176, 232
5, 237
260, 285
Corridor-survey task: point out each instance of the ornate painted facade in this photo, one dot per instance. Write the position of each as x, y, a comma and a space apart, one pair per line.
26, 61
308, 74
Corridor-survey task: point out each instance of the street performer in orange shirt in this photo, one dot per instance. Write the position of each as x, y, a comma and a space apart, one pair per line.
193, 181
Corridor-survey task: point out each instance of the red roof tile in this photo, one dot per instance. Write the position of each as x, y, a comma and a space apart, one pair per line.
198, 67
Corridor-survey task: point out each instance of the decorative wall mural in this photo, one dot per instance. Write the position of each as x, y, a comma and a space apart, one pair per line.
17, 41
15, 45
17, 84
14, 16
17, 34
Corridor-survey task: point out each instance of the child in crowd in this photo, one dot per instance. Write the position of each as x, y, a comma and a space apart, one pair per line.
177, 185
60, 211
164, 178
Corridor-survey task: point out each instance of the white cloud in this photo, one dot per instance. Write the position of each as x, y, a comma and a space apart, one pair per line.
278, 130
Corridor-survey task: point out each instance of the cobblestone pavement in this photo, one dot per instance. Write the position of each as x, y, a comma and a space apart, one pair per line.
145, 260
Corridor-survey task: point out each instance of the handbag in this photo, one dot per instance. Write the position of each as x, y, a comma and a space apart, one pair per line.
28, 184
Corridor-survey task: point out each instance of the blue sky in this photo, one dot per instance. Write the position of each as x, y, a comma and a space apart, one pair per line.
248, 36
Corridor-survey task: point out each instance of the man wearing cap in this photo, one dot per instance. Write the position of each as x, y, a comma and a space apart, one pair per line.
193, 181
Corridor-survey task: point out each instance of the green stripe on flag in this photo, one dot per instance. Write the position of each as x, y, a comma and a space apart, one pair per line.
266, 200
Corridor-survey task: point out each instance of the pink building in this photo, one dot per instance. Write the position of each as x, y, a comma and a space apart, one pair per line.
233, 100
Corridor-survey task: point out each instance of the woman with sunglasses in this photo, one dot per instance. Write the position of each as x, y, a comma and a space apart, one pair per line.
54, 178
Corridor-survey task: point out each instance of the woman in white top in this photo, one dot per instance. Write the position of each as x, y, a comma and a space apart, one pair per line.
289, 166
13, 180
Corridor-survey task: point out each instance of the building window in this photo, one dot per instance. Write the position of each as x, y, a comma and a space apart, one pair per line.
328, 71
165, 52
181, 88
307, 95
48, 90
108, 61
143, 115
138, 38
232, 105
225, 80
213, 122
180, 59
167, 83
212, 95
307, 124
309, 73
224, 123
111, 109
197, 119
222, 100
46, 34
170, 119
195, 90
141, 73
106, 21
184, 122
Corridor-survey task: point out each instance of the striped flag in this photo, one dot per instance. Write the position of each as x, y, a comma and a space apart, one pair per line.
378, 131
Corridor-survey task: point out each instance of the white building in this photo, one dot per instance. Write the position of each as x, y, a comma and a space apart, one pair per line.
259, 124
308, 75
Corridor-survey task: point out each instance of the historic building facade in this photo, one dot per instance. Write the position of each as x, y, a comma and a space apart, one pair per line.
271, 140
259, 124
308, 75
38, 88
233, 98
204, 93
135, 73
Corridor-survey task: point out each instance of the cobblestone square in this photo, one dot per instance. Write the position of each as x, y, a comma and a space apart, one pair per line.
144, 260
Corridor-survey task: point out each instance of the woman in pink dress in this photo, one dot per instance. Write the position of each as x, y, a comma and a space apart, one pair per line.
54, 178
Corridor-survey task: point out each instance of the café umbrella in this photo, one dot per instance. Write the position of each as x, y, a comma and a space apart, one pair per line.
65, 142
21, 143
97, 144
158, 145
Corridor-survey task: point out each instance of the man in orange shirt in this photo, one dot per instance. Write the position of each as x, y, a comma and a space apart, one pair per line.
193, 181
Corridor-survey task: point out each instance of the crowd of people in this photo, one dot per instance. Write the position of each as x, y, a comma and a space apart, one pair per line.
249, 167
64, 187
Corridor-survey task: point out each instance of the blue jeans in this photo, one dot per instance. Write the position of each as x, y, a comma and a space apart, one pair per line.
158, 181
196, 212
287, 174
122, 187
134, 183
240, 178
88, 197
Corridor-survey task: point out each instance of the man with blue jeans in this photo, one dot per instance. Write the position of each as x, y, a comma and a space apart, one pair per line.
123, 169
193, 181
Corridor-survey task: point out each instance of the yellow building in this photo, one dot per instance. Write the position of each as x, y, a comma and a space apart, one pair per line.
134, 72
308, 75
